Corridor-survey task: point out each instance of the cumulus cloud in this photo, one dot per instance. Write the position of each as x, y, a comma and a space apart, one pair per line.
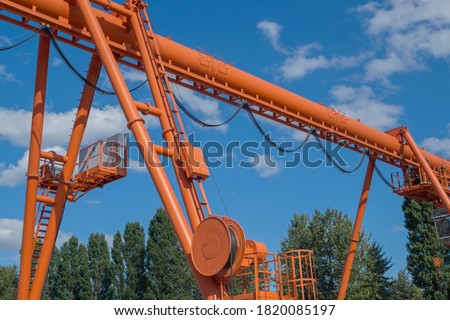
14, 174
302, 60
267, 167
362, 103
6, 76
439, 146
408, 32
10, 234
103, 123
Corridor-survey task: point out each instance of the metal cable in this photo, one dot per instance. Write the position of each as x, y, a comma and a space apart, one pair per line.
201, 122
48, 31
337, 165
267, 136
35, 32
379, 173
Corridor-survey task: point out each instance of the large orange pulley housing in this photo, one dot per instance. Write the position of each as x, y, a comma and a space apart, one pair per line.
218, 246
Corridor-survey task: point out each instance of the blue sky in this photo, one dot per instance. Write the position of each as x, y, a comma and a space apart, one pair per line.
384, 62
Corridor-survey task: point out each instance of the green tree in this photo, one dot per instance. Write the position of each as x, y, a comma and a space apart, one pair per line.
403, 289
134, 256
328, 235
8, 282
100, 268
168, 277
51, 283
118, 266
423, 245
73, 278
85, 285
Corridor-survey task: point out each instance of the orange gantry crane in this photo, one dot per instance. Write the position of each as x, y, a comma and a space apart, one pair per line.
219, 255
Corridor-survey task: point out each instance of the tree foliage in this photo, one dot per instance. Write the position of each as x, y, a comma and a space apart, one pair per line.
328, 235
168, 276
423, 246
402, 288
8, 282
134, 257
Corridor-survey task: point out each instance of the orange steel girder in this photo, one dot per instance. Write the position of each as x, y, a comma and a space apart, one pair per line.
200, 72
207, 285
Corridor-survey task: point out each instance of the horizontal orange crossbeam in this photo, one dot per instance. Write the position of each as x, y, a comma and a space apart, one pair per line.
195, 65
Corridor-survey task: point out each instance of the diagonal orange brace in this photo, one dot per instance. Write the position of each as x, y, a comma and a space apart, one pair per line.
356, 229
427, 168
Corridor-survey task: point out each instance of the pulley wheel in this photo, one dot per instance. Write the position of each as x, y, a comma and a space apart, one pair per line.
211, 246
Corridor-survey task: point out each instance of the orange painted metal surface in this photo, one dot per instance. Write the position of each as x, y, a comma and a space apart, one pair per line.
33, 167
126, 32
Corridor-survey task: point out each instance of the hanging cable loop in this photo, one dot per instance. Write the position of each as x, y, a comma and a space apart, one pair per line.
34, 33
55, 44
201, 122
266, 135
336, 164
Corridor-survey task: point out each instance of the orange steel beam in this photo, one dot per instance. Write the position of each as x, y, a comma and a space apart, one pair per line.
356, 229
207, 285
170, 133
37, 123
62, 190
428, 170
222, 81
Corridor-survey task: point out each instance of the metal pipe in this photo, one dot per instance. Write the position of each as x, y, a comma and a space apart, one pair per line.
356, 230
205, 66
136, 125
62, 190
37, 123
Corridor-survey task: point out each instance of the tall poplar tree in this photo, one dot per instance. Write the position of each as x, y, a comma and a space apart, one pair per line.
423, 246
134, 256
100, 268
118, 266
169, 276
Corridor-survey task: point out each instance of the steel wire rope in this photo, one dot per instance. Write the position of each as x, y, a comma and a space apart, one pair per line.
55, 44
379, 173
337, 165
34, 33
201, 122
267, 136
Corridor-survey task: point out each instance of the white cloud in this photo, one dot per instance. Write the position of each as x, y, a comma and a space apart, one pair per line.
397, 228
408, 32
10, 234
103, 123
271, 31
62, 238
267, 167
204, 108
93, 202
5, 75
14, 174
301, 61
5, 41
438, 145
362, 103
109, 239
55, 62
133, 75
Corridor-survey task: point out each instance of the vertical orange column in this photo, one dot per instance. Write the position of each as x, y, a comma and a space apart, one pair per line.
37, 123
76, 138
356, 230
426, 166
136, 124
